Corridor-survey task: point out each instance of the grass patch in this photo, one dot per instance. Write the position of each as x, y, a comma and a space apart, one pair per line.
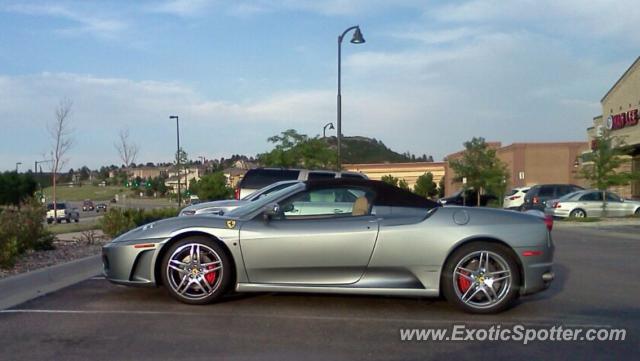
95, 193
72, 227
580, 220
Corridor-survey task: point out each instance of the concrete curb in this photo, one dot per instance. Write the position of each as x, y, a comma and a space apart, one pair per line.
24, 287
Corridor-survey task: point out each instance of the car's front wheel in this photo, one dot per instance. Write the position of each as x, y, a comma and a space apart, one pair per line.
197, 270
481, 277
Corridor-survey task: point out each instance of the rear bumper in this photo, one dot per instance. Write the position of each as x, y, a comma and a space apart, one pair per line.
537, 269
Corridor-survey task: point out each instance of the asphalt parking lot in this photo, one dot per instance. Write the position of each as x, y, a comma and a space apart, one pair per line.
596, 286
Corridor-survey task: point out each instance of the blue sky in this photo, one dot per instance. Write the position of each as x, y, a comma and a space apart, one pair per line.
431, 75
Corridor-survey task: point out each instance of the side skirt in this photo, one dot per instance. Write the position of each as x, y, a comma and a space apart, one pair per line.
410, 292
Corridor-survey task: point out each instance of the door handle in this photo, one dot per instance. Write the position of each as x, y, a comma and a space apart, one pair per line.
337, 210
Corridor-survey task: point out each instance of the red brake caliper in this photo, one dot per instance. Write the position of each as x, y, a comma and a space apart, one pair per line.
463, 283
211, 277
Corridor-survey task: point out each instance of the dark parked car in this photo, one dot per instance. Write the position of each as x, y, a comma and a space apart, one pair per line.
259, 178
539, 194
468, 198
87, 205
101, 207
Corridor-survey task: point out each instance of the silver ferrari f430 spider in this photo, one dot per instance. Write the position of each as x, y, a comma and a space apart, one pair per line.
343, 236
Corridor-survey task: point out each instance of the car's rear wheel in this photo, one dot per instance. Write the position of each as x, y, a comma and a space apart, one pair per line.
197, 270
481, 277
578, 213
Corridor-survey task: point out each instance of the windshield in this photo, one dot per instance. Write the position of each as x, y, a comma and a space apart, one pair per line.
263, 201
267, 190
58, 206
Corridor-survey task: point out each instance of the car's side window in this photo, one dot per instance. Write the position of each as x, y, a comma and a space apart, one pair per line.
329, 202
593, 196
613, 197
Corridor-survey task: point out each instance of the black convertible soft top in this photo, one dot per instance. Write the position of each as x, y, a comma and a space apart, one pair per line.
386, 194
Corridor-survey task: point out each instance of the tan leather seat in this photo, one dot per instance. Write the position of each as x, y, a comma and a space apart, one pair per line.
360, 207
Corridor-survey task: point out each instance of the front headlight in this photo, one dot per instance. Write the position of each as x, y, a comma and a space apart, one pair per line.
187, 213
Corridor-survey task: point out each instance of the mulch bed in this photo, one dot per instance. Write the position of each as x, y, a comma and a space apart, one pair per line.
65, 251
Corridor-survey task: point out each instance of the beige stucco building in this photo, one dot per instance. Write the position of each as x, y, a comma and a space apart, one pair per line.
407, 171
621, 115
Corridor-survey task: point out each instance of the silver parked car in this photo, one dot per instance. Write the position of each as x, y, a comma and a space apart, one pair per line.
223, 206
589, 203
344, 236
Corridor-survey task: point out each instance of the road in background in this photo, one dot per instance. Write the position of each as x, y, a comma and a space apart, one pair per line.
596, 286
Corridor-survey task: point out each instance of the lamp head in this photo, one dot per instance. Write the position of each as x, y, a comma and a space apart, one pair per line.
357, 37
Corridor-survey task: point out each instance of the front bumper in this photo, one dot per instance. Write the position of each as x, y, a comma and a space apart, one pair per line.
131, 262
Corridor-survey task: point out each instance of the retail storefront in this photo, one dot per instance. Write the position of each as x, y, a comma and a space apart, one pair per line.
621, 115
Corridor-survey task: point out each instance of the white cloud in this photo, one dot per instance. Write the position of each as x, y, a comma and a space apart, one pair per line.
81, 22
584, 19
184, 7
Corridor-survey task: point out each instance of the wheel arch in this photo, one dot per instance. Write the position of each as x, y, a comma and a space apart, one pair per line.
157, 267
488, 239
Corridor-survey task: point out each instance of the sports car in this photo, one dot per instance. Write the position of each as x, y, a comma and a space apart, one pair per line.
344, 236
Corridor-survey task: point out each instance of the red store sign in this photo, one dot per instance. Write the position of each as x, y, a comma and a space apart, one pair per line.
622, 120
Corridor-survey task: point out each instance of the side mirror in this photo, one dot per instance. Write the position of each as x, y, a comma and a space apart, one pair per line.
270, 210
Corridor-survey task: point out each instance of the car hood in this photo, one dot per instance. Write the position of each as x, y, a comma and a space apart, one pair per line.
166, 228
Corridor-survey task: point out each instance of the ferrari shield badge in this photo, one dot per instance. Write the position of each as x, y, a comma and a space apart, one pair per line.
231, 224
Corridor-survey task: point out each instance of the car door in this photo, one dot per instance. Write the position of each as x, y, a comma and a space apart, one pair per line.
319, 239
591, 203
616, 207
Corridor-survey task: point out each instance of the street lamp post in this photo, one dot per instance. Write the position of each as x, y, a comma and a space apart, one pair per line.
324, 129
18, 164
178, 155
357, 39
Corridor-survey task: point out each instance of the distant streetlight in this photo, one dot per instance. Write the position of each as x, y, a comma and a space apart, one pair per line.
324, 129
18, 165
357, 39
178, 155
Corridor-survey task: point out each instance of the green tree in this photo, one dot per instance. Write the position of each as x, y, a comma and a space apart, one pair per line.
211, 187
298, 150
441, 188
402, 184
16, 188
601, 167
389, 179
482, 169
425, 186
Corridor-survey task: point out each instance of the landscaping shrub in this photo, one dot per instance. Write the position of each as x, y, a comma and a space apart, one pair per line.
21, 229
118, 221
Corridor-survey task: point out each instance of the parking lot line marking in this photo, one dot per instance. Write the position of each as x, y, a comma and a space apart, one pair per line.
534, 322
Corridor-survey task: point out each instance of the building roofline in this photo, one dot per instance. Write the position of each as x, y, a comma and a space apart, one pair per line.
620, 79
404, 164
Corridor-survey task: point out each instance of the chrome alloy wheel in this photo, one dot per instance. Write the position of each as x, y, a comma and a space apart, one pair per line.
482, 279
194, 271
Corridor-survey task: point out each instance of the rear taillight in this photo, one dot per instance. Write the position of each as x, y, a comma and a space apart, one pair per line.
236, 193
535, 200
548, 221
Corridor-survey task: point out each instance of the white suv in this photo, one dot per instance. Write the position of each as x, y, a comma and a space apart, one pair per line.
515, 198
63, 212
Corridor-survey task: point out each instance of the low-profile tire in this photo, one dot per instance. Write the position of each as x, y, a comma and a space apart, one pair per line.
578, 213
77, 220
481, 277
49, 221
197, 270
58, 221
